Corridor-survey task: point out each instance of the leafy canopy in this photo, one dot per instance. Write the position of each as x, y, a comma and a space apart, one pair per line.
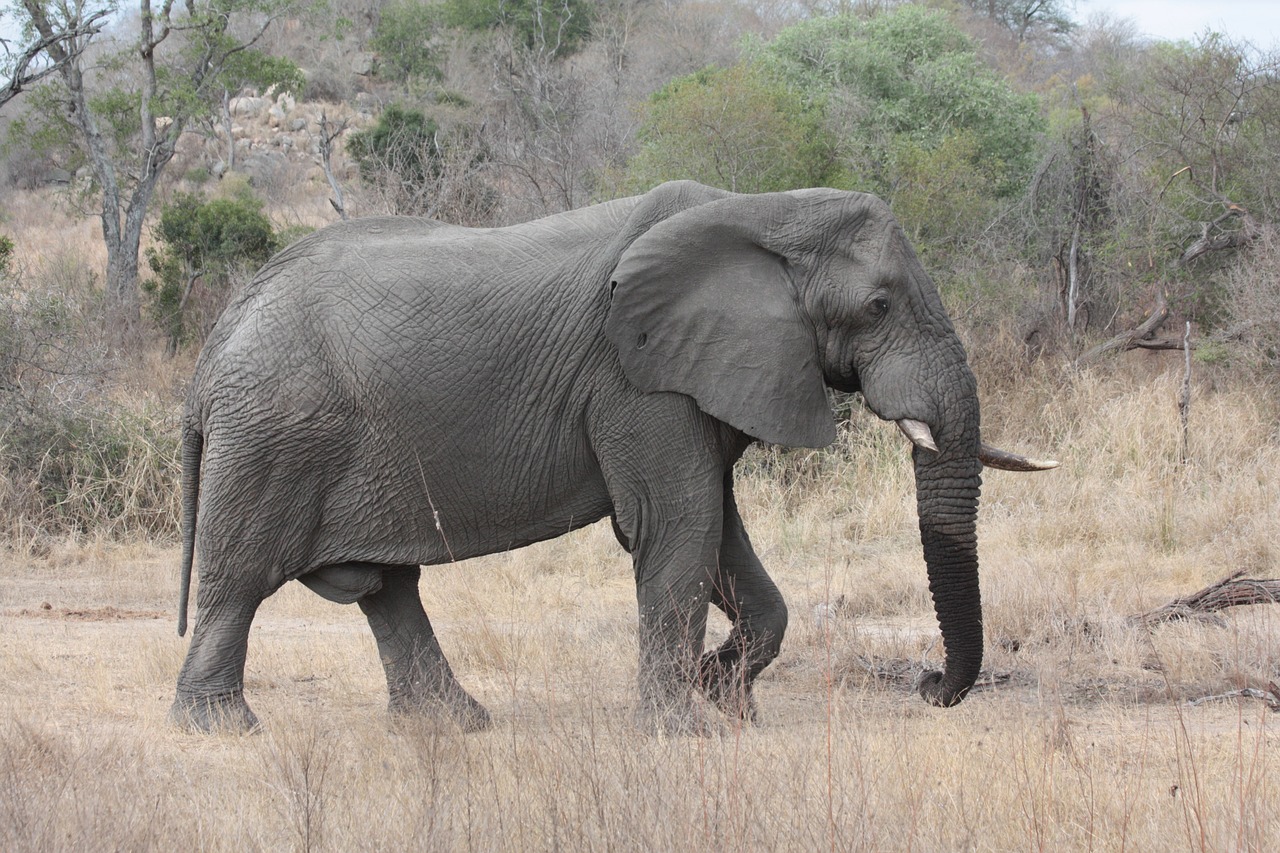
904, 83
559, 27
404, 39
403, 140
734, 128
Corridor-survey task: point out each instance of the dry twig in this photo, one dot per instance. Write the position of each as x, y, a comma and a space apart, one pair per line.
1235, 590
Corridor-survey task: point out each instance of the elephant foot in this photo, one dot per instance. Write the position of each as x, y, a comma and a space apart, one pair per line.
724, 684
222, 714
458, 707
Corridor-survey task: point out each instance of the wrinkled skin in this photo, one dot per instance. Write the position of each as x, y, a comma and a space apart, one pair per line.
395, 393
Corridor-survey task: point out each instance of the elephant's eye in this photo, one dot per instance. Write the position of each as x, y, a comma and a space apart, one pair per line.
878, 307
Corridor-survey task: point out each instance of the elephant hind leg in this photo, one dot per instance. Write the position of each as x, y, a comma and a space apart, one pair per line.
210, 693
419, 679
751, 600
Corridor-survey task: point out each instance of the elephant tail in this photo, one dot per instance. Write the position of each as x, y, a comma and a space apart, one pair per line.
192, 452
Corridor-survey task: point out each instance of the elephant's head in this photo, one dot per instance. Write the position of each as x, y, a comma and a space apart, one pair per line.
750, 304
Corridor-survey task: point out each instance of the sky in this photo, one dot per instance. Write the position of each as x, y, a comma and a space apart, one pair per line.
1257, 21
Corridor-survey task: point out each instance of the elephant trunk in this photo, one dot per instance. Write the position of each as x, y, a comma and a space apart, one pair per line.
947, 488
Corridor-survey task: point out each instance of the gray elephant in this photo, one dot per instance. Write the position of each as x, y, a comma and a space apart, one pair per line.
390, 393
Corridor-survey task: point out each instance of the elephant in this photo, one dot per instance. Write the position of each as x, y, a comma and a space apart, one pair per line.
391, 393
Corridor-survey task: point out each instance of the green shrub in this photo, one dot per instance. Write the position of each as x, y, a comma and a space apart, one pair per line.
734, 128
419, 168
558, 27
203, 243
401, 142
908, 79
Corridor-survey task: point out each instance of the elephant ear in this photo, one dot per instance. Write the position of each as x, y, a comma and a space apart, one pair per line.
701, 307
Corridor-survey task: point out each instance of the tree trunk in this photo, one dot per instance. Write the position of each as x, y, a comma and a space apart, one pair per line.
122, 225
227, 124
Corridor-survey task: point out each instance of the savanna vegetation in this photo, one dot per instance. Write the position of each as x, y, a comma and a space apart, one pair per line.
1099, 211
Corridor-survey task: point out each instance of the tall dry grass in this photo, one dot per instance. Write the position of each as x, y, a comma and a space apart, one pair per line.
88, 437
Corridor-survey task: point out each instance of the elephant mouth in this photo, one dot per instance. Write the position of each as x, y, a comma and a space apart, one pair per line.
849, 383
921, 436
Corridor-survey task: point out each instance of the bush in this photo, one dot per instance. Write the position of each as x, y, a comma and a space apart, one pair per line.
205, 243
557, 27
733, 128
418, 168
402, 142
1252, 328
74, 458
908, 78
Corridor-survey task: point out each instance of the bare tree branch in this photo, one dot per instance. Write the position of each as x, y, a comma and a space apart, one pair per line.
1214, 242
59, 45
1134, 338
329, 131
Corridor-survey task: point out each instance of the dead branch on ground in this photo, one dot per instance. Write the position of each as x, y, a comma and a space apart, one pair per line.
1235, 590
1213, 239
1271, 696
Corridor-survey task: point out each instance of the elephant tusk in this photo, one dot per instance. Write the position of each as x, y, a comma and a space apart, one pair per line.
919, 433
994, 457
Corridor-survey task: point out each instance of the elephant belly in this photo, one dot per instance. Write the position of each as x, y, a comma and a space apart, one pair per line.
444, 514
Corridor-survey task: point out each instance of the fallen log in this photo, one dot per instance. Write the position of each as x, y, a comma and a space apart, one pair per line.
1235, 590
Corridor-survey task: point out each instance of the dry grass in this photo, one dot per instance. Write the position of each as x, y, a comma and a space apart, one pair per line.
1086, 742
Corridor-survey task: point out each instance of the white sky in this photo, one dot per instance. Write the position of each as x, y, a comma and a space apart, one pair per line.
1257, 21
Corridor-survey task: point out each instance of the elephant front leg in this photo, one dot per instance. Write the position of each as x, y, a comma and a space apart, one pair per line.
675, 567
751, 600
210, 693
664, 463
673, 624
419, 679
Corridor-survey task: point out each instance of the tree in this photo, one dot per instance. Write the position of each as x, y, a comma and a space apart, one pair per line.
122, 114
31, 63
253, 69
1205, 122
560, 27
539, 104
904, 82
403, 38
1028, 19
732, 128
